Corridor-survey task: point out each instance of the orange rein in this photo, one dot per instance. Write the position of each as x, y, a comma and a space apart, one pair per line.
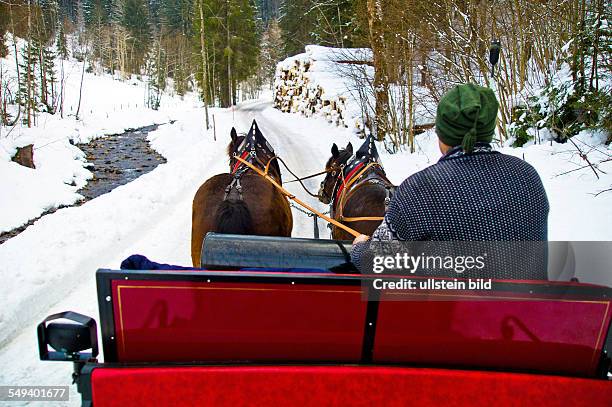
288, 194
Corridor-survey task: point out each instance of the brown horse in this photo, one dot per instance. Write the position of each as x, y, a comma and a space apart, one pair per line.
241, 202
355, 188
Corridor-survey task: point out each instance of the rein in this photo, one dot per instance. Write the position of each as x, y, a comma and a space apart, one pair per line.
296, 177
292, 197
307, 177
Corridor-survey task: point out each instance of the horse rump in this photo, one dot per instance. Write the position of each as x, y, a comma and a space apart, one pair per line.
233, 217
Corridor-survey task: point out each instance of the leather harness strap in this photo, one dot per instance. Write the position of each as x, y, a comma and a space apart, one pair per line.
372, 218
345, 187
238, 163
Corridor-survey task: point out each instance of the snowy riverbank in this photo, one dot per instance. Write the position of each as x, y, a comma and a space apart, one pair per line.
107, 106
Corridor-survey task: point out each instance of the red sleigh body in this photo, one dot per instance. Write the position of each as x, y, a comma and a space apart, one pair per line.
270, 338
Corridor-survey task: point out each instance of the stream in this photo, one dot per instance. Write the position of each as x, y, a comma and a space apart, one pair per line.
118, 159
114, 160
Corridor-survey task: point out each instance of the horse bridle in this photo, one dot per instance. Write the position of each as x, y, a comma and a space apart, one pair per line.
238, 168
350, 181
337, 168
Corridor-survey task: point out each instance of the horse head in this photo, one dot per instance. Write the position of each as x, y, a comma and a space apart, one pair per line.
254, 148
334, 167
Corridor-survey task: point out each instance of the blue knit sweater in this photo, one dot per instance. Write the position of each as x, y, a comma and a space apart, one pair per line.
483, 196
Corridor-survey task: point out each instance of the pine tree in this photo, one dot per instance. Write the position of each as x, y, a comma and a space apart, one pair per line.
61, 43
28, 96
333, 22
244, 43
268, 10
232, 45
177, 15
48, 79
157, 74
135, 20
297, 23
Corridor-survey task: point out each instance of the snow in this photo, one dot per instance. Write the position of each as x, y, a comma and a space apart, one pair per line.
50, 267
108, 106
320, 53
340, 81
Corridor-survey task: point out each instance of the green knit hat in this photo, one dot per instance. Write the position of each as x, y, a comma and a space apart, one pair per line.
467, 114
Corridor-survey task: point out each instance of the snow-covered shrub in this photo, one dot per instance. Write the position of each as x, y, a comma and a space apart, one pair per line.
562, 109
578, 96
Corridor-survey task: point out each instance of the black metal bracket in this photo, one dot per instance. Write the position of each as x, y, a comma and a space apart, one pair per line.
56, 355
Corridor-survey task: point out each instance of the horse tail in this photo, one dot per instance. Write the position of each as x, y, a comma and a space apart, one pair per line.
233, 217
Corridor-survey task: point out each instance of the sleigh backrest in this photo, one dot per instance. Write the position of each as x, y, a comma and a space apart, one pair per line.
213, 317
527, 326
230, 316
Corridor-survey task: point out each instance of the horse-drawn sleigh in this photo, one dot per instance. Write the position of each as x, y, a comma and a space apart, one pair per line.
281, 321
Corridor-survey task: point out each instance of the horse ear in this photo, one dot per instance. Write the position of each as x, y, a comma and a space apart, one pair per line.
349, 147
234, 135
334, 151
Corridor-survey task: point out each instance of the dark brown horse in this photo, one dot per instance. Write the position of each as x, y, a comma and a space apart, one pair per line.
355, 188
241, 202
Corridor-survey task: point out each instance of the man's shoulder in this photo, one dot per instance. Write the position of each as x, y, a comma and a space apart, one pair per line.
514, 165
447, 170
479, 161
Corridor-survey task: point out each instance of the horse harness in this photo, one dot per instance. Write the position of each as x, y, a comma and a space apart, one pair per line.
353, 175
246, 151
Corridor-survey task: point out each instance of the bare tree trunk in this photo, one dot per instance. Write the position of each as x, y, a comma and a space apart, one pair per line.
229, 57
381, 85
204, 64
213, 76
81, 86
28, 101
2, 101
62, 91
594, 67
16, 64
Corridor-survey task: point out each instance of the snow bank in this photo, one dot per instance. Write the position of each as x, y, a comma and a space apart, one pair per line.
108, 106
58, 252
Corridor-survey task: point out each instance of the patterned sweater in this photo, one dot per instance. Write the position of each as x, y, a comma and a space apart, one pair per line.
483, 196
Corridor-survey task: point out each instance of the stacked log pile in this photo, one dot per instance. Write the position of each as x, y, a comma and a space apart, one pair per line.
315, 83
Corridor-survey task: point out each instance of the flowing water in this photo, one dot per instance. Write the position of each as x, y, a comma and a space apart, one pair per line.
114, 160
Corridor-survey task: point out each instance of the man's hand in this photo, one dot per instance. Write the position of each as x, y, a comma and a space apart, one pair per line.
361, 239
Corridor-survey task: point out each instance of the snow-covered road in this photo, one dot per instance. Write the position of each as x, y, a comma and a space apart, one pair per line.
51, 266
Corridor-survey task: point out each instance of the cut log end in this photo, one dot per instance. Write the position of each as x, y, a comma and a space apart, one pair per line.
25, 156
